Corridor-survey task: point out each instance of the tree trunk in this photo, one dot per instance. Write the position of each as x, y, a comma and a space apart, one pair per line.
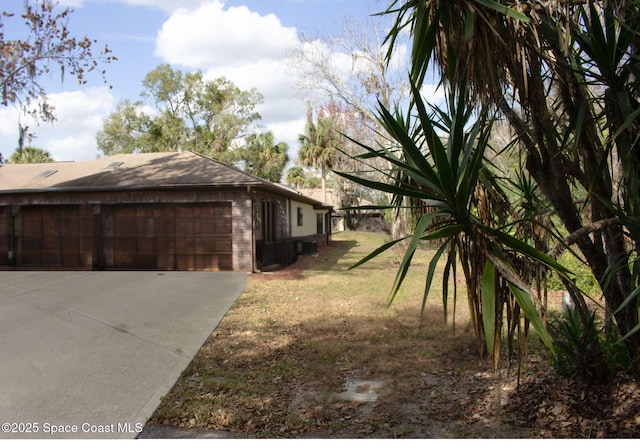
549, 168
323, 184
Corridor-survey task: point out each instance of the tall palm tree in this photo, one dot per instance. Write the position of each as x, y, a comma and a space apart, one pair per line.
318, 146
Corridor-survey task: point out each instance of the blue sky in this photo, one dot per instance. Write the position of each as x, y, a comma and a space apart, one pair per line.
246, 41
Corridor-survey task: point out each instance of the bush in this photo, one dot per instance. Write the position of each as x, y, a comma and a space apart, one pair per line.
588, 352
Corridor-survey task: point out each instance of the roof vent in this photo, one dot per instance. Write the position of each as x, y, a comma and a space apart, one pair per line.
113, 166
46, 174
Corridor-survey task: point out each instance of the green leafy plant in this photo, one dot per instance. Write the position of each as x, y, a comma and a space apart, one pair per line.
564, 75
588, 352
440, 172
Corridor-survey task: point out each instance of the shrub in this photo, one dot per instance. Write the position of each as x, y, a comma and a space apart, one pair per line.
587, 351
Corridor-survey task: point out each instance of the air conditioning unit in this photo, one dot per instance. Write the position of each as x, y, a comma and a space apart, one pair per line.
307, 247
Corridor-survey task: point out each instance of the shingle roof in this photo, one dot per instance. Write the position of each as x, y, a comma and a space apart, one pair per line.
131, 171
125, 170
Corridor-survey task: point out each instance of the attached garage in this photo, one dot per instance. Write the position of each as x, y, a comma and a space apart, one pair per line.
123, 236
162, 211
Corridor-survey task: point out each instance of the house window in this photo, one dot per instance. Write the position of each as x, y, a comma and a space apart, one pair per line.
319, 221
299, 216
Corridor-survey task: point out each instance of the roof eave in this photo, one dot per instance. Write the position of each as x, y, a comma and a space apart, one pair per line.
119, 188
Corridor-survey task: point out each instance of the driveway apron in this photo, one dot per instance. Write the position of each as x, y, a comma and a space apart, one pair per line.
90, 354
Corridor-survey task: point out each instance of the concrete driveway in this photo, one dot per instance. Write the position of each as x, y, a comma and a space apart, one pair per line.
90, 354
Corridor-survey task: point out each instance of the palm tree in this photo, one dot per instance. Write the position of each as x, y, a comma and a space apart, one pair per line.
318, 147
295, 176
565, 75
30, 154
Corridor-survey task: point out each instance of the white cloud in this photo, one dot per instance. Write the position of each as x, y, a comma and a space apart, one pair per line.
72, 136
70, 147
288, 132
82, 109
273, 80
432, 94
8, 124
212, 36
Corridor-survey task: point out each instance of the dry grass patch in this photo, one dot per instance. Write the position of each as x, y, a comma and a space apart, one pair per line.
295, 337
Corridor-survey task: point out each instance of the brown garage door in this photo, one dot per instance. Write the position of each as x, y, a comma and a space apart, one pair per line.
54, 236
5, 235
169, 236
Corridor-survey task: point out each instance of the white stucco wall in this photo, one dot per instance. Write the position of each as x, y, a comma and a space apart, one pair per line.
309, 226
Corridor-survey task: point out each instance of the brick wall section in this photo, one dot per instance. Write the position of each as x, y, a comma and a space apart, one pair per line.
242, 234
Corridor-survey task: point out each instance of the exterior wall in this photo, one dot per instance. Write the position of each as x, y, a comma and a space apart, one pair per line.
308, 227
90, 222
242, 234
316, 223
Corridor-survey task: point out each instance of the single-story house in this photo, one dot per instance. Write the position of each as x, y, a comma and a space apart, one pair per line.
165, 211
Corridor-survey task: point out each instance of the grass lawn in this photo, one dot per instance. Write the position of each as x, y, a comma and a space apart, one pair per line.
295, 337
